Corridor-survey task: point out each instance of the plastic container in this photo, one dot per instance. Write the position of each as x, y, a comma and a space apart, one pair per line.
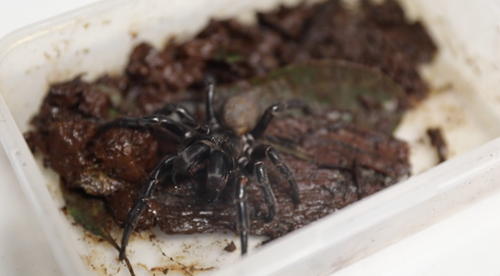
97, 39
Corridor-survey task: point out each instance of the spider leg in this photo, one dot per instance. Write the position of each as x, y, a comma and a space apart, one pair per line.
262, 181
243, 222
272, 154
185, 116
143, 198
285, 172
269, 114
217, 173
145, 122
356, 180
190, 158
211, 119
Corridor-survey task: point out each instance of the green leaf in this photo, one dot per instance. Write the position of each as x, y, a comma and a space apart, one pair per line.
374, 98
90, 213
87, 211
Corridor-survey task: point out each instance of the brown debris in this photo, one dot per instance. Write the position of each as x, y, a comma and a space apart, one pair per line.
437, 140
115, 164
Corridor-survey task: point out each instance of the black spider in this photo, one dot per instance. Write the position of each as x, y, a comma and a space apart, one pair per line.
231, 151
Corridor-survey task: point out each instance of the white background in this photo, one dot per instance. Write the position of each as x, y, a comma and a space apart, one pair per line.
465, 244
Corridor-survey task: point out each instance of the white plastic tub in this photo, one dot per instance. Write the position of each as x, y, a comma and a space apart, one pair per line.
98, 39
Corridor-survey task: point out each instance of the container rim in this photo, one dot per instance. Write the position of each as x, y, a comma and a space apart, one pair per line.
33, 30
350, 214
38, 196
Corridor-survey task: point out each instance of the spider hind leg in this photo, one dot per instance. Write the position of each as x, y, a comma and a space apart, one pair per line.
263, 151
285, 171
262, 182
243, 222
270, 112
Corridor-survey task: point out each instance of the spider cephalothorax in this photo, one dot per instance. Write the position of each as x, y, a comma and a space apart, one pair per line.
227, 144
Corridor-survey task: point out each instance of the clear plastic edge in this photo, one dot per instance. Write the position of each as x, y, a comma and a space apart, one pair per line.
19, 155
71, 264
38, 196
32, 30
438, 192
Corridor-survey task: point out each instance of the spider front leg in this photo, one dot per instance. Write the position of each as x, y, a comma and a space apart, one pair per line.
185, 116
174, 127
217, 173
190, 158
144, 195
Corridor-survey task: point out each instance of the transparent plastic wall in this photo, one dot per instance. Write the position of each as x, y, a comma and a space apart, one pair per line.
98, 39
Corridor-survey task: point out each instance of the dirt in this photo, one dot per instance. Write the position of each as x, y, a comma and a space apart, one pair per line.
437, 140
344, 162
